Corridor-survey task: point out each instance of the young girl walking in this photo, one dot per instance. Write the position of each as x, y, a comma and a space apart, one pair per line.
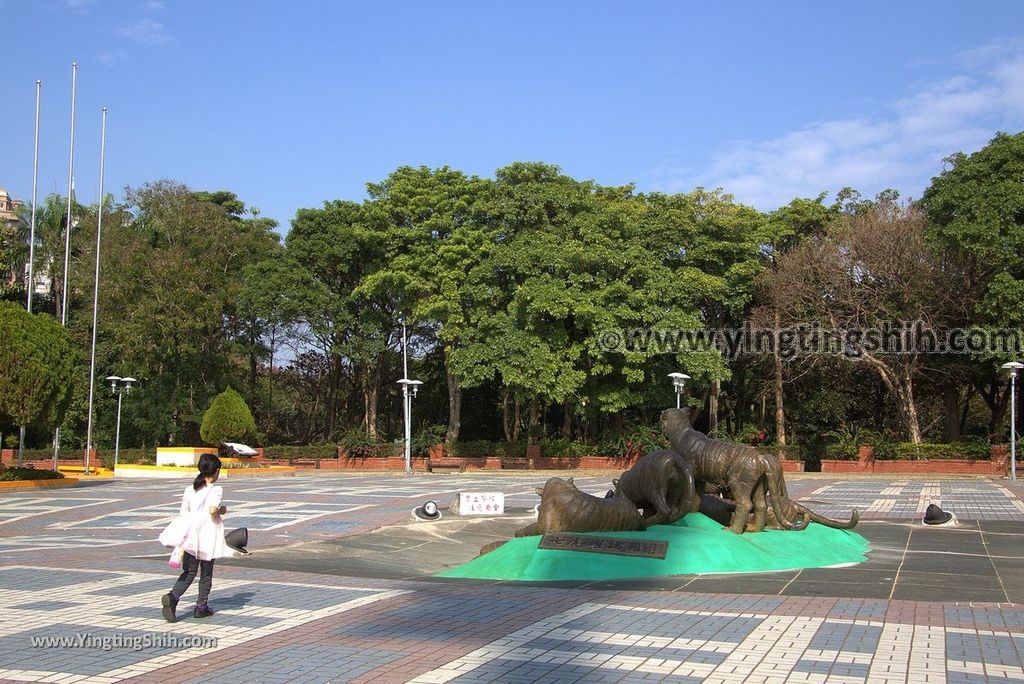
201, 501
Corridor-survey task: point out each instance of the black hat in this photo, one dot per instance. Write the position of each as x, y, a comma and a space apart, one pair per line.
238, 540
427, 511
933, 515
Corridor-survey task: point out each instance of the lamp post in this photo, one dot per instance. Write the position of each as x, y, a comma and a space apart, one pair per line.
409, 390
679, 382
1013, 367
120, 387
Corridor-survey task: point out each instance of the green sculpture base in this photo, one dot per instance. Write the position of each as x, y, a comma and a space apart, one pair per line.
696, 545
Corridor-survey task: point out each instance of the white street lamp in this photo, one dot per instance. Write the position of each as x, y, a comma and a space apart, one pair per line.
120, 387
679, 382
1013, 367
409, 390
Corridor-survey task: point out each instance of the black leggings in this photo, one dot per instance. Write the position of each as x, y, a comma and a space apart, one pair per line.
189, 566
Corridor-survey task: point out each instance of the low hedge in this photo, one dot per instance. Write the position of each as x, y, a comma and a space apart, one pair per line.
286, 452
971, 451
377, 451
841, 451
484, 448
18, 474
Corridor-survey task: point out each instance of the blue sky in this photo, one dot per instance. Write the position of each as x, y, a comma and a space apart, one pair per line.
292, 104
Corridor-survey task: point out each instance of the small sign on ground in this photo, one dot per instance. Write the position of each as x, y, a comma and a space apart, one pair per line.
478, 503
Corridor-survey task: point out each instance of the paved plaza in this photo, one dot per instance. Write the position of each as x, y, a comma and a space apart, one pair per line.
339, 589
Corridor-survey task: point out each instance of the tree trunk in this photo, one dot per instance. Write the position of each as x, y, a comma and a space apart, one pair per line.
997, 402
332, 394
716, 386
780, 411
506, 428
909, 410
951, 410
516, 418
534, 418
454, 407
371, 395
567, 421
901, 385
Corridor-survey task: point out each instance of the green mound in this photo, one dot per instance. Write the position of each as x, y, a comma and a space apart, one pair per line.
696, 545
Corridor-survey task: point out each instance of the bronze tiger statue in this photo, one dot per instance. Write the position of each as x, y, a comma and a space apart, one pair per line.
564, 508
661, 484
753, 479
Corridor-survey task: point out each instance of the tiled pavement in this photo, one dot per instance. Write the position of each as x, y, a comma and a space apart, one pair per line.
80, 565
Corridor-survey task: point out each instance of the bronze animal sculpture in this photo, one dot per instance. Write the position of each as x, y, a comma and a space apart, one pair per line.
564, 508
753, 479
661, 484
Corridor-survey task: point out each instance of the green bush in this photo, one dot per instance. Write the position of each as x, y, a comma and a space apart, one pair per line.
134, 456
563, 448
282, 452
228, 420
972, 450
428, 436
635, 442
883, 446
471, 449
356, 438
18, 474
363, 445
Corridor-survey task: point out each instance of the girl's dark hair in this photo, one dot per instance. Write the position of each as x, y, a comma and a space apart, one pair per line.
208, 465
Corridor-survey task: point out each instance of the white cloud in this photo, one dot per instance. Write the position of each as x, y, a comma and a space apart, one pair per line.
146, 31
901, 149
153, 5
112, 58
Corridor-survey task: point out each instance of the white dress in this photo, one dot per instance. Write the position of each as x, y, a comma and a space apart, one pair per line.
205, 538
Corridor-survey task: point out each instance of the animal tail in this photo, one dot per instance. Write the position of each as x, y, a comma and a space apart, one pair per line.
790, 517
850, 523
793, 516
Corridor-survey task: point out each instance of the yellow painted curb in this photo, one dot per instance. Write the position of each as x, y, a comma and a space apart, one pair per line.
225, 472
38, 484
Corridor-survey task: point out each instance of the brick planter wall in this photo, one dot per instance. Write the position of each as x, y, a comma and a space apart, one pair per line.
9, 457
998, 465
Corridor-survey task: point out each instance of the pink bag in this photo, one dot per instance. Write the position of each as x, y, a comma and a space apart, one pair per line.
176, 558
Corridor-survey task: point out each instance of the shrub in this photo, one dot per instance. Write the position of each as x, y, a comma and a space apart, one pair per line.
636, 442
321, 451
428, 436
363, 445
972, 450
479, 448
18, 474
840, 446
566, 449
227, 420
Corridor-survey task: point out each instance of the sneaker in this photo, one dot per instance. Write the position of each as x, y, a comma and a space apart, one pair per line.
169, 603
202, 612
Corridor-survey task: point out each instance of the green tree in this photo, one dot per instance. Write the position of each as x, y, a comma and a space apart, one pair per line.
438, 238
171, 277
228, 420
976, 212
39, 362
338, 247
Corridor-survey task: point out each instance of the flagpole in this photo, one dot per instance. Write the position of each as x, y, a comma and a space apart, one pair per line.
71, 187
32, 230
31, 286
67, 235
96, 294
